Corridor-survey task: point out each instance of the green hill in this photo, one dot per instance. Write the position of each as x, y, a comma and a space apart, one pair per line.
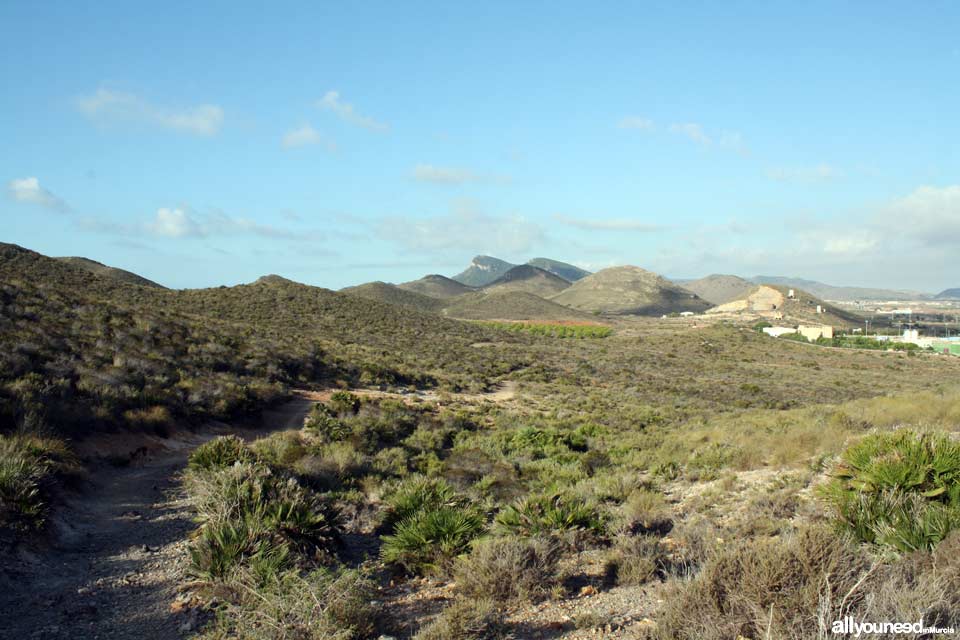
393, 294
629, 291
529, 279
512, 305
105, 271
80, 352
568, 272
437, 286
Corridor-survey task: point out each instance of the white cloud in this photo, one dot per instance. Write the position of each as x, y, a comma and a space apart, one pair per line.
636, 122
929, 215
443, 175
183, 222
173, 223
107, 106
331, 102
306, 136
818, 173
608, 224
465, 228
691, 130
453, 175
29, 190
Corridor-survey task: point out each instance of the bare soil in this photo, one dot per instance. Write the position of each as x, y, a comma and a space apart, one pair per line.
115, 556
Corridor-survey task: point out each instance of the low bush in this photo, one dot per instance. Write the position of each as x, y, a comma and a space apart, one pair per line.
549, 514
787, 588
431, 539
222, 451
899, 489
508, 569
417, 495
466, 620
321, 605
28, 467
248, 512
636, 560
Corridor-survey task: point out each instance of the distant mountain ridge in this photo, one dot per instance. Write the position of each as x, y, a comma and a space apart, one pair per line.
483, 270
530, 279
568, 272
949, 294
830, 292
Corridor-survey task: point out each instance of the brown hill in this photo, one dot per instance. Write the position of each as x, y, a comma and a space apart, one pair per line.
718, 289
629, 291
775, 303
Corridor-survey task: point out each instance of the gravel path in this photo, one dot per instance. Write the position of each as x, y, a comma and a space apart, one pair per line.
118, 555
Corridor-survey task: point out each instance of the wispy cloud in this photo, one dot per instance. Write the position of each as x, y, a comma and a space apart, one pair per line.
305, 136
609, 224
466, 228
638, 123
331, 101
182, 222
30, 191
453, 175
692, 131
817, 173
106, 106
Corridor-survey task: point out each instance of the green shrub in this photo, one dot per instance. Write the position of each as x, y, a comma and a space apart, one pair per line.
507, 569
323, 422
344, 402
246, 512
222, 451
899, 489
466, 620
551, 514
431, 539
418, 495
28, 466
224, 546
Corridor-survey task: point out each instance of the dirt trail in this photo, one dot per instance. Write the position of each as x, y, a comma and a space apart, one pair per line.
119, 553
505, 391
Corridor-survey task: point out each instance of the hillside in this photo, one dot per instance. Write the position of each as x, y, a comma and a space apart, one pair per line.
512, 305
949, 294
436, 286
566, 271
629, 291
392, 294
846, 294
529, 279
718, 289
482, 271
773, 303
105, 271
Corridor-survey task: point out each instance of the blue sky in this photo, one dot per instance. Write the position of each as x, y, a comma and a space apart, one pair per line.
211, 143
